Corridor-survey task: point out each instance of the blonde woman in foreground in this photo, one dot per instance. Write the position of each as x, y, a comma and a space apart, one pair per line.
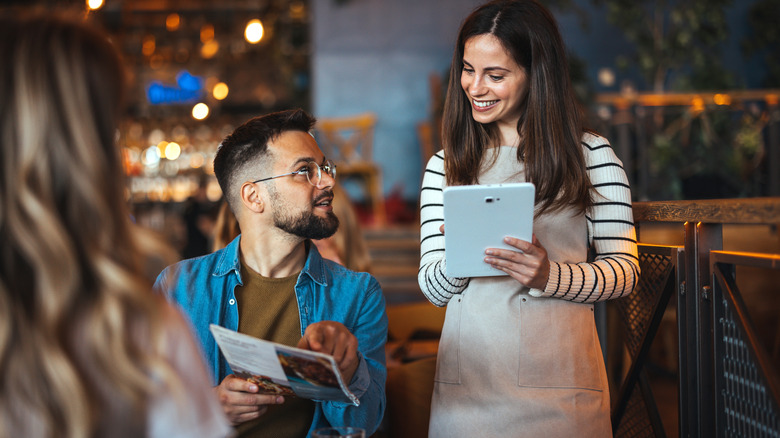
86, 348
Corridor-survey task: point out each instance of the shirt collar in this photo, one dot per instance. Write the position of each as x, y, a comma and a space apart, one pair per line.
229, 261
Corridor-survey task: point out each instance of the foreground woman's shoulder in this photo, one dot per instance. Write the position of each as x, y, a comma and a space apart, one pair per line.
597, 149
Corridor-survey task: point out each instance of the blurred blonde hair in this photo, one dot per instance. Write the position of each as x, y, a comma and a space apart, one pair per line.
225, 228
82, 336
349, 241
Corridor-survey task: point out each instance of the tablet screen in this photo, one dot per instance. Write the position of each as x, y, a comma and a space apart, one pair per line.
478, 217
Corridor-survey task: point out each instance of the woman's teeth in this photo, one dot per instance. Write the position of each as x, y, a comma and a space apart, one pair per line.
484, 104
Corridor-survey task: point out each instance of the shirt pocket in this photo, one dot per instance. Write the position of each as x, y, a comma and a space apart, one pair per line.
448, 358
559, 347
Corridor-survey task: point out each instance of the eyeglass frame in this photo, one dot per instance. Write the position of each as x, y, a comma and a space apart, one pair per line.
328, 164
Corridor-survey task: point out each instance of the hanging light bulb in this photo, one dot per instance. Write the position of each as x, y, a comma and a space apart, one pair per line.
254, 31
94, 5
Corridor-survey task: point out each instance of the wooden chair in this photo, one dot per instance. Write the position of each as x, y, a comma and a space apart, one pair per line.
428, 141
348, 141
410, 377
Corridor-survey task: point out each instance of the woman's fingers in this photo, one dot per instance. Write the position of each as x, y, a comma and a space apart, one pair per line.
528, 265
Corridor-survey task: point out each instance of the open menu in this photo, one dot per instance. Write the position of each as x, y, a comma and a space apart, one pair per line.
281, 370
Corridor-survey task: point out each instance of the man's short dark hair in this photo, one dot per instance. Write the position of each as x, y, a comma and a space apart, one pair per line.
242, 155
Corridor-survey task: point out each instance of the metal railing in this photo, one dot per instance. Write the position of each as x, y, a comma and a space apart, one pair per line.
727, 383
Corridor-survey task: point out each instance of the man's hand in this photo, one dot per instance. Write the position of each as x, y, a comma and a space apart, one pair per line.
333, 338
240, 400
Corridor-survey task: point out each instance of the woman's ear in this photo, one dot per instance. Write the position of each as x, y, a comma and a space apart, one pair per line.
252, 196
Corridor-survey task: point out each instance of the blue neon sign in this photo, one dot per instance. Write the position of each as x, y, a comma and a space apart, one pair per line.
188, 89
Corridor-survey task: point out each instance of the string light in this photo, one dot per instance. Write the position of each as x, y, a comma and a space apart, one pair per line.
254, 31
94, 5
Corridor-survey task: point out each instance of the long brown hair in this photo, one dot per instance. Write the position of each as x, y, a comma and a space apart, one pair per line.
81, 333
551, 125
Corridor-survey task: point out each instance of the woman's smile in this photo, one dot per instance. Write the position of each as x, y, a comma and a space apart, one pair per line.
494, 83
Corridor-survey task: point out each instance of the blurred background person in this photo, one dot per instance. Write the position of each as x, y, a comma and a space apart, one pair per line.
347, 246
86, 348
198, 217
225, 227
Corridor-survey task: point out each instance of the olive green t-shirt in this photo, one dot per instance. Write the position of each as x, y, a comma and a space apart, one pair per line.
268, 309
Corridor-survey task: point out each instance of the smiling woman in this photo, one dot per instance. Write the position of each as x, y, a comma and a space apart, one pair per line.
518, 354
495, 85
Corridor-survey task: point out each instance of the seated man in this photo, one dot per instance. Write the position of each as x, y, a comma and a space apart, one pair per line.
271, 282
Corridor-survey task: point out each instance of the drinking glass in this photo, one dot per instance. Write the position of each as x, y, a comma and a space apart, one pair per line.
343, 432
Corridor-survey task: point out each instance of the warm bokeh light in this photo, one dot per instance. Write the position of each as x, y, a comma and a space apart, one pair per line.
172, 22
698, 104
721, 99
172, 150
254, 31
197, 160
297, 11
161, 147
606, 77
220, 91
209, 49
148, 45
213, 191
200, 111
94, 4
206, 33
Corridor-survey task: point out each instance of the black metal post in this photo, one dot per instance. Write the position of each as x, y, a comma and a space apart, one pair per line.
697, 401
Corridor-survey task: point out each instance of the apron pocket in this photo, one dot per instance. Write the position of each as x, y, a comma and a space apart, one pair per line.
559, 347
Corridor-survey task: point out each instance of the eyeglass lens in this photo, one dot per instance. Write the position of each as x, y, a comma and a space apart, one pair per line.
314, 172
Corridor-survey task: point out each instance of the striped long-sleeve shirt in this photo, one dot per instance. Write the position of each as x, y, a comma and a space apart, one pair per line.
615, 269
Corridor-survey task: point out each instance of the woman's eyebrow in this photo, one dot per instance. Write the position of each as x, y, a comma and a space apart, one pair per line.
496, 68
493, 68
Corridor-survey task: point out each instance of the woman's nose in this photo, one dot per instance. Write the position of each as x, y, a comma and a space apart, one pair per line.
476, 87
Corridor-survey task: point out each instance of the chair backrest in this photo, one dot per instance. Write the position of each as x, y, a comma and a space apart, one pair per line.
347, 140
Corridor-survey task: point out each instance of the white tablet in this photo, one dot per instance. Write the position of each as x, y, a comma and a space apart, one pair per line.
478, 217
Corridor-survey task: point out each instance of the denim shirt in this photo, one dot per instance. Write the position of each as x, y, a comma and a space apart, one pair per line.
204, 288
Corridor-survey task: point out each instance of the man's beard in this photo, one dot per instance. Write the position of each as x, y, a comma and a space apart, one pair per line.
306, 224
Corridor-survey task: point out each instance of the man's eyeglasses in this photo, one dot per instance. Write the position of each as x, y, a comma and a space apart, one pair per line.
312, 170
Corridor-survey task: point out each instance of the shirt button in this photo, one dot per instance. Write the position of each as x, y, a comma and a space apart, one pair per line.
232, 301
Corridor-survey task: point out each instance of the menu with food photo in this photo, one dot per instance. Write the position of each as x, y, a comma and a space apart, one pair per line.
279, 369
